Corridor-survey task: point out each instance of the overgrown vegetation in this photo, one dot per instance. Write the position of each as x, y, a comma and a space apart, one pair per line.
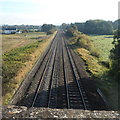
47, 27
51, 31
82, 40
13, 61
115, 56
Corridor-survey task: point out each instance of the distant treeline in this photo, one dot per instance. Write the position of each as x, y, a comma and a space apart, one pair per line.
95, 27
48, 28
21, 27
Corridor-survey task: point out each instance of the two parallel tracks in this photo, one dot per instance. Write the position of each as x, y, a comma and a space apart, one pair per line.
57, 83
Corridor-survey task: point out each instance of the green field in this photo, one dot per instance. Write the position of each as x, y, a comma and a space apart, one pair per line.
104, 44
105, 82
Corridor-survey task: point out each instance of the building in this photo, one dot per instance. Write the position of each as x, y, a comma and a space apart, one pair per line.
18, 31
9, 31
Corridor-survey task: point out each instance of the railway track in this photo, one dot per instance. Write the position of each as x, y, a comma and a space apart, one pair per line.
76, 94
57, 83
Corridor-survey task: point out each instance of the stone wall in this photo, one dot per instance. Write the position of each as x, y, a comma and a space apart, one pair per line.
14, 112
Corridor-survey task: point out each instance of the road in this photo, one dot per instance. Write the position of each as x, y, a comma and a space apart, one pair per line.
61, 81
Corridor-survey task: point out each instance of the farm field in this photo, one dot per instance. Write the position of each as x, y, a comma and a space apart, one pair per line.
18, 40
104, 44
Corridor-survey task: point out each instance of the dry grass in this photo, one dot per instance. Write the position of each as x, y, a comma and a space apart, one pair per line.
17, 40
91, 62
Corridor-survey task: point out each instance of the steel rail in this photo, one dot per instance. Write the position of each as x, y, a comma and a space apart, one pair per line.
75, 74
43, 74
67, 96
51, 80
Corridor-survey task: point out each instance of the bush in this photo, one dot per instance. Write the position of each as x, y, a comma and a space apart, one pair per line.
72, 32
115, 56
82, 40
25, 31
51, 31
85, 42
95, 53
105, 63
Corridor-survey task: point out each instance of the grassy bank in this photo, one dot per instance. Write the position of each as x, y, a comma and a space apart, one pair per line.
18, 61
97, 62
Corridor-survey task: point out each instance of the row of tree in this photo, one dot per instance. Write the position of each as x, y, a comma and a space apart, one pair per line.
95, 27
21, 27
49, 28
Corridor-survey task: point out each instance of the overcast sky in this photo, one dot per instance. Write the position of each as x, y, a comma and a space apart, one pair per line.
38, 12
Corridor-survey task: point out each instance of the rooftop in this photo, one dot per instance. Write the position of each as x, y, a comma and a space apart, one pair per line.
9, 28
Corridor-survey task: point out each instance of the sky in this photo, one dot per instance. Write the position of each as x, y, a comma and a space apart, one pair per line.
38, 12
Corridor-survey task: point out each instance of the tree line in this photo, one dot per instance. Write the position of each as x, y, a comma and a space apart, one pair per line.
115, 56
48, 28
100, 27
21, 27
